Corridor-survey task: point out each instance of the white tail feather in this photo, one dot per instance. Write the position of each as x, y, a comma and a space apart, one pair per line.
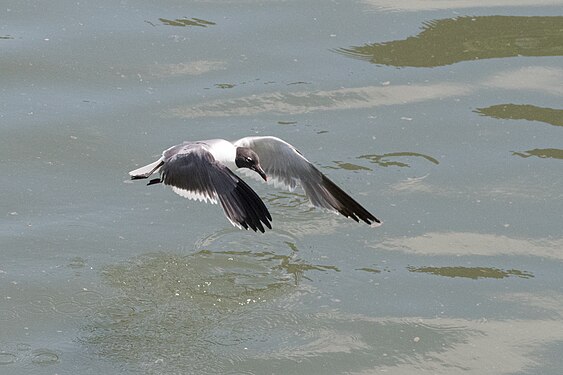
145, 171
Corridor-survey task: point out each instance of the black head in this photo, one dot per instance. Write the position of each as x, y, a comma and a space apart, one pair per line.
246, 158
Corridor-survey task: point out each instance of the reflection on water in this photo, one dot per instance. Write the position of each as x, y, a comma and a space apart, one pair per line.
224, 85
459, 243
368, 269
472, 272
465, 345
386, 160
541, 79
544, 153
314, 101
182, 22
190, 314
348, 166
418, 5
265, 331
224, 279
383, 160
524, 112
205, 309
360, 344
192, 68
449, 41
264, 251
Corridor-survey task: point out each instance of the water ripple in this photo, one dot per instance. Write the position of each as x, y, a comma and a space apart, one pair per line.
44, 357
7, 358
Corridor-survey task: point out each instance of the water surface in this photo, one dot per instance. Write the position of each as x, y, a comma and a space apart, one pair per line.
442, 118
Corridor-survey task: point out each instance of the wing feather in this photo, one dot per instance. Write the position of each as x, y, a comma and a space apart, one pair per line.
195, 174
286, 166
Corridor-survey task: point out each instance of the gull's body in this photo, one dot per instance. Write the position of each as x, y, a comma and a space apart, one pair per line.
202, 170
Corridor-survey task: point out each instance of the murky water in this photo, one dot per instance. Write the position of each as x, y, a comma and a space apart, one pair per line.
442, 118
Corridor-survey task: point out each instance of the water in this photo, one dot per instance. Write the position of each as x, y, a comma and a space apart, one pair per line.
442, 118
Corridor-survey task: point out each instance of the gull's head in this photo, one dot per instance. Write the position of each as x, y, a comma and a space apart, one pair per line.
247, 158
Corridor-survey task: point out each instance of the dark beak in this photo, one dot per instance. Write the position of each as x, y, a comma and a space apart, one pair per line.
258, 169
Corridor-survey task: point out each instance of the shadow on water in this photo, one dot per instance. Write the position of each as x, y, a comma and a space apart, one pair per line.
449, 41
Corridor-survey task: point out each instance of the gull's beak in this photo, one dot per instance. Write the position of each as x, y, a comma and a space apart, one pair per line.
258, 169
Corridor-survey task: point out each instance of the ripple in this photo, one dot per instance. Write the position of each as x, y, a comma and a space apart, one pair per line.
77, 263
44, 357
231, 239
7, 315
23, 347
87, 298
113, 313
202, 306
70, 308
39, 305
7, 358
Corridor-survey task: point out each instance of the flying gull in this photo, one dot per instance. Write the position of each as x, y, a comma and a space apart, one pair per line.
203, 170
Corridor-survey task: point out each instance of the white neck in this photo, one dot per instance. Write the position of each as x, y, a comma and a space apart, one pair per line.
224, 152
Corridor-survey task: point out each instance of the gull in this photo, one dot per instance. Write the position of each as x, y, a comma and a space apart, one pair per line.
203, 170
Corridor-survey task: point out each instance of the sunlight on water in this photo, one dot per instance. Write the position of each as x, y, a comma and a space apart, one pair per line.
302, 102
455, 243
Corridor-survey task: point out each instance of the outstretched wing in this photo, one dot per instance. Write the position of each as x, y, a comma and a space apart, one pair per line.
286, 166
147, 170
194, 173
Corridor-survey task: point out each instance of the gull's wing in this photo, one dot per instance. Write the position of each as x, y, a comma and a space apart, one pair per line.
147, 170
193, 173
285, 165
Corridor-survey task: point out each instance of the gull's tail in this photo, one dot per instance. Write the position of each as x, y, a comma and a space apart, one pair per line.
147, 170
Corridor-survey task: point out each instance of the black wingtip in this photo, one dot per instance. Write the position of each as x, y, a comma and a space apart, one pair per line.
244, 207
255, 211
154, 181
347, 206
